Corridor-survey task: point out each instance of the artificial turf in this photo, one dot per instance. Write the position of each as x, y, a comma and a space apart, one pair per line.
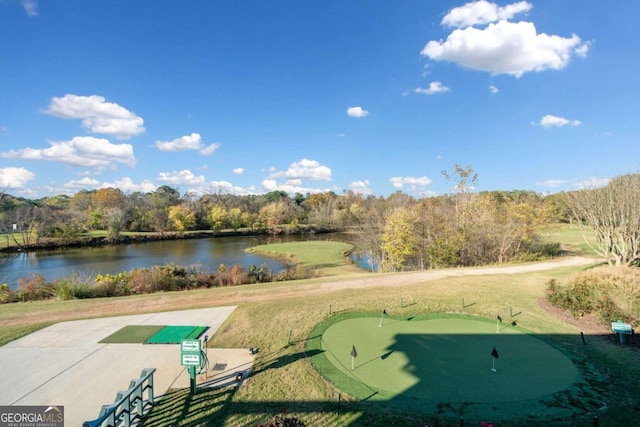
132, 334
430, 363
153, 334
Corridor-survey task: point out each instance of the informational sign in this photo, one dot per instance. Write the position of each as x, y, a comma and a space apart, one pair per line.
190, 353
621, 328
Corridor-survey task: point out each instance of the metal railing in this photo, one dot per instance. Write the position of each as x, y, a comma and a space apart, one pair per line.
129, 406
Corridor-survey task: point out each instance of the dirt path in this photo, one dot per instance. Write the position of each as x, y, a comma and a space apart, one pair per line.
183, 300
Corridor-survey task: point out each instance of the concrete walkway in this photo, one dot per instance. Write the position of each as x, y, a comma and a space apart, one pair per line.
65, 364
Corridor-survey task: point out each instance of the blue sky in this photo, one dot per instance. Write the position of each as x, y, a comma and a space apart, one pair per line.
247, 97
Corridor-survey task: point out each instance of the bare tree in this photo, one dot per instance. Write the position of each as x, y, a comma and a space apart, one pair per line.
612, 213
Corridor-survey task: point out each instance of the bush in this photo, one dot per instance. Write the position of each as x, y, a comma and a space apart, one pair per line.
6, 295
285, 421
294, 273
34, 288
611, 292
112, 285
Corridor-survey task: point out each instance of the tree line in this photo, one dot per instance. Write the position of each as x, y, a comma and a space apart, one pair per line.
398, 232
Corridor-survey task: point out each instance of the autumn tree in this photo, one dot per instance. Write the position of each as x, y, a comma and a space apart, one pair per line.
465, 181
161, 200
370, 228
183, 217
218, 217
612, 214
275, 215
400, 239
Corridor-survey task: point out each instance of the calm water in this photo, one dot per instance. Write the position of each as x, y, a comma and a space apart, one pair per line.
206, 253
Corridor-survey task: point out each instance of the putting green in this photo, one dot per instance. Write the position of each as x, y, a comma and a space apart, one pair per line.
447, 359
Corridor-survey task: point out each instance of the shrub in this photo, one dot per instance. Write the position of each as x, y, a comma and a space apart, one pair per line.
75, 286
112, 285
284, 420
6, 294
294, 273
238, 275
34, 288
610, 292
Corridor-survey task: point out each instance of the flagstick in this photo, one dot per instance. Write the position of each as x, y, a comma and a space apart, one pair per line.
493, 368
352, 360
381, 316
497, 326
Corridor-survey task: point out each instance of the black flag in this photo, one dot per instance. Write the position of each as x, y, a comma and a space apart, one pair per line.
494, 353
354, 353
384, 312
499, 318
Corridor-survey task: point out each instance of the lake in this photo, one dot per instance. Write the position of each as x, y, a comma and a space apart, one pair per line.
207, 253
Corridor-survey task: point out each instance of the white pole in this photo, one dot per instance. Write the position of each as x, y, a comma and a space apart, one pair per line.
497, 326
352, 360
493, 368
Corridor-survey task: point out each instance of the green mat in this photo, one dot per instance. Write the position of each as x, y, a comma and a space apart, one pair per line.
132, 334
154, 334
175, 334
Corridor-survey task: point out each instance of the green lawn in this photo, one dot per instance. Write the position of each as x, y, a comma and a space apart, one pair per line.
571, 238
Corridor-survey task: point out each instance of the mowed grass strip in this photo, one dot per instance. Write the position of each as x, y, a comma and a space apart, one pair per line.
325, 256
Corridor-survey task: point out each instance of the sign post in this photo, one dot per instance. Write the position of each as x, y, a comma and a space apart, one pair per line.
190, 357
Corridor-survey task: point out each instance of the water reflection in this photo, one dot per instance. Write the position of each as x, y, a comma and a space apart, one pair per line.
207, 254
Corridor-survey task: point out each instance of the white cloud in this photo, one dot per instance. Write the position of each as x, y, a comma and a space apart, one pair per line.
30, 6
413, 183
15, 177
209, 149
225, 187
128, 186
185, 177
552, 183
360, 187
504, 48
549, 120
269, 185
482, 12
83, 183
357, 112
583, 49
238, 171
591, 183
98, 115
305, 169
188, 142
434, 87
493, 89
80, 151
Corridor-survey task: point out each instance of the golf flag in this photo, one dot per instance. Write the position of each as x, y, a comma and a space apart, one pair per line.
354, 353
494, 353
384, 312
